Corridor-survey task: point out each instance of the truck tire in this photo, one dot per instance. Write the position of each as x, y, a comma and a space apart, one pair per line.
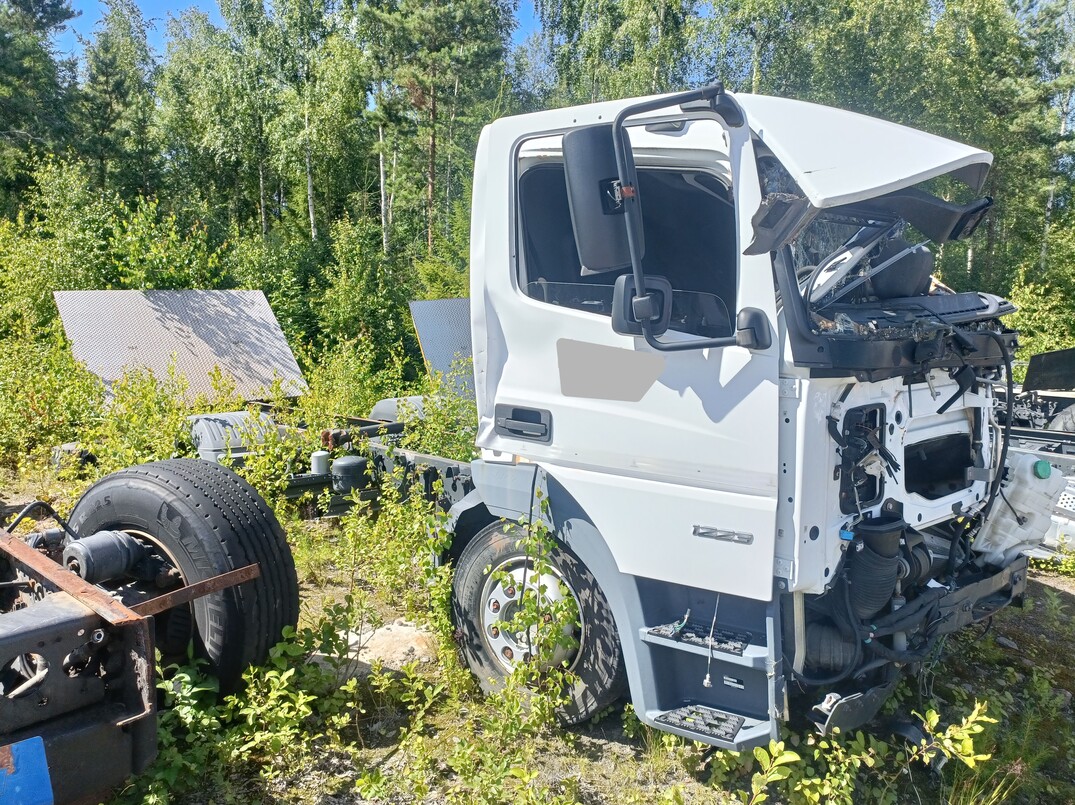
206, 520
491, 653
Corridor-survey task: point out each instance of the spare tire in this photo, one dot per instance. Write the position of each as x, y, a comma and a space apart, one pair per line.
205, 520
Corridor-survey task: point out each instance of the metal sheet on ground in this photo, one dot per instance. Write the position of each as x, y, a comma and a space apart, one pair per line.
111, 331
443, 327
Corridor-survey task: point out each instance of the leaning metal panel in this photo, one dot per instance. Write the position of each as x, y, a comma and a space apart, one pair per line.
111, 331
443, 327
1053, 371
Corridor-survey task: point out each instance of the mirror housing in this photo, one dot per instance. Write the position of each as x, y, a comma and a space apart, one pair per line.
752, 329
629, 308
594, 193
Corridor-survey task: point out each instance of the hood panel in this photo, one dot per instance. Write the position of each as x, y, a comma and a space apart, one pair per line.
839, 157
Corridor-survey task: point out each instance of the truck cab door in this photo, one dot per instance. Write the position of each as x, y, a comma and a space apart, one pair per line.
673, 455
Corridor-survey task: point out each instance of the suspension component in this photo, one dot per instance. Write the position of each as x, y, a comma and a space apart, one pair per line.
103, 556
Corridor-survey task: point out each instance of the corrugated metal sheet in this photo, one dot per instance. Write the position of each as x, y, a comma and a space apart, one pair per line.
443, 327
111, 331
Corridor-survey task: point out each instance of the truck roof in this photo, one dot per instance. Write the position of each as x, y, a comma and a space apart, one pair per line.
837, 157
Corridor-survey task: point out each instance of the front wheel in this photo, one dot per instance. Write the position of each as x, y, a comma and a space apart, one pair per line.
490, 579
202, 520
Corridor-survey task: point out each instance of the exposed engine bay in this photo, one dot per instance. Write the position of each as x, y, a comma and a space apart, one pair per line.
925, 516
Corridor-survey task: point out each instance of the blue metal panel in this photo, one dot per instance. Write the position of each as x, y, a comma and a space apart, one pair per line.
24, 774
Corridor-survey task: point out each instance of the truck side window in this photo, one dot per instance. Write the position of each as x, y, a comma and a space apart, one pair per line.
690, 236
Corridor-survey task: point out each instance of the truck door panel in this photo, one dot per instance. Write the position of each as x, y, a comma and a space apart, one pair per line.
673, 455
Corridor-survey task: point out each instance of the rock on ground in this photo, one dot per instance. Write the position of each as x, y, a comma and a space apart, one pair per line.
392, 646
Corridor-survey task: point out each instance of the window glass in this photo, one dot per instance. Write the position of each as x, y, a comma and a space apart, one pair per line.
687, 212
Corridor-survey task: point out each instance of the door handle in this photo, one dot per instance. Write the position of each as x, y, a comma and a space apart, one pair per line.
523, 423
533, 430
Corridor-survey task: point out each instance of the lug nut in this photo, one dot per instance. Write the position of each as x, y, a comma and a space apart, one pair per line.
509, 655
494, 605
494, 632
510, 592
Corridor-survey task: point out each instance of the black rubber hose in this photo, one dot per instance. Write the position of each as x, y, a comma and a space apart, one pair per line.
904, 625
879, 648
927, 598
839, 676
40, 504
1010, 391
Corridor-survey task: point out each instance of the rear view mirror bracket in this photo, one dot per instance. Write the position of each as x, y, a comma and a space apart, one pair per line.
630, 309
632, 219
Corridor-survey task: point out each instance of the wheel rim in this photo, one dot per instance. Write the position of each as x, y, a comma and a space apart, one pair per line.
502, 595
176, 627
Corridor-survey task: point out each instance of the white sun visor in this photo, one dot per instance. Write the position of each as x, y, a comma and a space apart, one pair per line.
839, 157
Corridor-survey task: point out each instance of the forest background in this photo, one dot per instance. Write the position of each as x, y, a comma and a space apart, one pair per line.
321, 151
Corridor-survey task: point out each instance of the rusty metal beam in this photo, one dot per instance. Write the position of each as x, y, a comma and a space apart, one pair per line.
154, 606
57, 577
112, 610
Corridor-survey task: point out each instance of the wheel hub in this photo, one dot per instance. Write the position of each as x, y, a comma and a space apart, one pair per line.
502, 599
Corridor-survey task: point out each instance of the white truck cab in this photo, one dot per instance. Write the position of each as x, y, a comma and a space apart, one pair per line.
709, 354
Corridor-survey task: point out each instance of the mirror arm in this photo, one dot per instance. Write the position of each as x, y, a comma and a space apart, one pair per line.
630, 200
682, 346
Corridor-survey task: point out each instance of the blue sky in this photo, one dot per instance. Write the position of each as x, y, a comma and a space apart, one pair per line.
158, 11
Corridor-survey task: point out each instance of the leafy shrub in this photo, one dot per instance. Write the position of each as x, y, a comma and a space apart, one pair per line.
74, 237
306, 686
145, 420
281, 451
289, 272
449, 421
45, 397
366, 295
442, 280
59, 243
345, 383
1045, 317
150, 249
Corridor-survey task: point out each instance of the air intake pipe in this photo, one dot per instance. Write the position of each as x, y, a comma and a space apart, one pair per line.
875, 564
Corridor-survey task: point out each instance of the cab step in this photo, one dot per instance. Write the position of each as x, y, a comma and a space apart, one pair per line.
734, 646
700, 722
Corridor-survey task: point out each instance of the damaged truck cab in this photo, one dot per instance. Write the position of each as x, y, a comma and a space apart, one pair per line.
710, 355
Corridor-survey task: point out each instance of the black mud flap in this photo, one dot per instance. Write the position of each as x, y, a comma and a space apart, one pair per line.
845, 713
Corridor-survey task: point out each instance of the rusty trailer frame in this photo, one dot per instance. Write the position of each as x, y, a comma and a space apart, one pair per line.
98, 726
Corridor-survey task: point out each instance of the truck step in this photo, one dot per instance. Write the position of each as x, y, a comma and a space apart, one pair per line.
728, 645
700, 722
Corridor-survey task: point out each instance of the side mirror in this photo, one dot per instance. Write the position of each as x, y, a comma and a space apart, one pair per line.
595, 197
752, 329
629, 308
